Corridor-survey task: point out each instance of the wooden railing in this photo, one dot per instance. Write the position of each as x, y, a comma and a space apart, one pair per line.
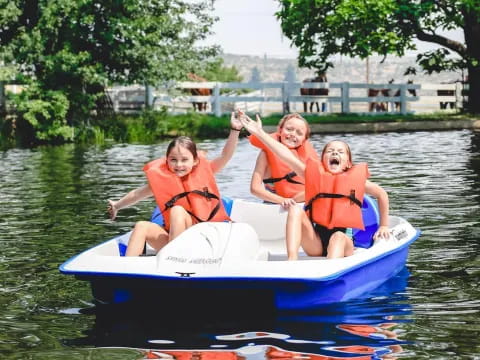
283, 93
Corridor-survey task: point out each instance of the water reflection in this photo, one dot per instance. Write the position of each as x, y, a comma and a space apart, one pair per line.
364, 327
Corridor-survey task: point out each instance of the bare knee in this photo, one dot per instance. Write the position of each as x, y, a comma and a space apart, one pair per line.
142, 225
294, 212
177, 211
180, 220
339, 245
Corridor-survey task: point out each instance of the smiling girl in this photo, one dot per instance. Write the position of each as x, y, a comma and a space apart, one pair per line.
273, 180
184, 187
334, 194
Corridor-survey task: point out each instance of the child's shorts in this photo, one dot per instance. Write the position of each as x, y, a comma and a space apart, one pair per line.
325, 235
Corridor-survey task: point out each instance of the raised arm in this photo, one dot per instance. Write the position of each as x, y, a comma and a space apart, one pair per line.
255, 128
383, 208
130, 199
230, 146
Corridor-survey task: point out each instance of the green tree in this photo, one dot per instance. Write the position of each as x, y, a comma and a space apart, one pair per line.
77, 48
321, 28
215, 70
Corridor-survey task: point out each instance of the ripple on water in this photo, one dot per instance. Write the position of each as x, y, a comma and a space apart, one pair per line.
53, 202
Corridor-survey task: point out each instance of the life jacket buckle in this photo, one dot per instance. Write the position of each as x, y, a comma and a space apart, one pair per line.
206, 194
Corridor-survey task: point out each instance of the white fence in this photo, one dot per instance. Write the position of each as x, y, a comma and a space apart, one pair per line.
281, 97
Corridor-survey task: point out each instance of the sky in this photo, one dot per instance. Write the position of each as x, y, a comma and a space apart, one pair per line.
249, 27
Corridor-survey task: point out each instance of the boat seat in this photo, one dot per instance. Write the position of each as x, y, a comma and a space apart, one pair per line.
371, 220
268, 220
263, 254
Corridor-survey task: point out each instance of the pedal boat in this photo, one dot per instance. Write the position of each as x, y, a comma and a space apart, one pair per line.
245, 256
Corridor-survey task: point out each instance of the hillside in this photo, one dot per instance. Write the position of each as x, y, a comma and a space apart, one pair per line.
345, 69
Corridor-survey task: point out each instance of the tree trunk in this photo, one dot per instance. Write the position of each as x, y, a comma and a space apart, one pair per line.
473, 104
3, 109
472, 39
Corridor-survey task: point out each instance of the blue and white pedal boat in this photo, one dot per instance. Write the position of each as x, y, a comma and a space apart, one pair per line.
245, 256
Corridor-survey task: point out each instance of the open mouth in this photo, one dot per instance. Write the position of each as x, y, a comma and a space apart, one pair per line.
334, 161
291, 140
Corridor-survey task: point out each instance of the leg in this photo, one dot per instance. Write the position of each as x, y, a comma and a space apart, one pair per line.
293, 231
304, 107
340, 245
318, 108
300, 232
146, 231
180, 221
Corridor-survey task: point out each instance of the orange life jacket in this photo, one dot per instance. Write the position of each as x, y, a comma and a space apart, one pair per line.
335, 200
285, 181
196, 192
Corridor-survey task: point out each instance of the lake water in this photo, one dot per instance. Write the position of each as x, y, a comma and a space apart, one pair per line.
53, 204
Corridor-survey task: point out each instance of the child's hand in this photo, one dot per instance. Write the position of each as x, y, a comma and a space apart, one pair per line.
287, 203
112, 210
235, 123
253, 127
382, 233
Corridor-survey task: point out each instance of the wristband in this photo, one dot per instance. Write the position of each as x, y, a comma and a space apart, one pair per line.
235, 129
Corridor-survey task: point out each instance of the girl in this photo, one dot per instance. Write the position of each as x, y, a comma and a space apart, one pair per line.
334, 194
184, 188
273, 180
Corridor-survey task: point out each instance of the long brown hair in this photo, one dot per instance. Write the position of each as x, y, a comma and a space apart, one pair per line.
185, 142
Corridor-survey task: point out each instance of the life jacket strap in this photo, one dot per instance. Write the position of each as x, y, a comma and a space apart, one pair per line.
351, 197
205, 193
288, 177
170, 203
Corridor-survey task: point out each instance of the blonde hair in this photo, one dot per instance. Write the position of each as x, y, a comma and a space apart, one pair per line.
287, 117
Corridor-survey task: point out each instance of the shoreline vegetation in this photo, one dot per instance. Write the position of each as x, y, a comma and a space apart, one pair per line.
153, 126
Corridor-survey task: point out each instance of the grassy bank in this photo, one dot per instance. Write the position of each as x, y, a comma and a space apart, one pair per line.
154, 126
149, 127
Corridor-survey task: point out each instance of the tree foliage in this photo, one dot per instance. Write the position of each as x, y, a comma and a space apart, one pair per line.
215, 70
322, 28
78, 47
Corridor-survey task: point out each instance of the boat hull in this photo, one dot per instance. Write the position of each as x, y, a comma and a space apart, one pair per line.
282, 293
